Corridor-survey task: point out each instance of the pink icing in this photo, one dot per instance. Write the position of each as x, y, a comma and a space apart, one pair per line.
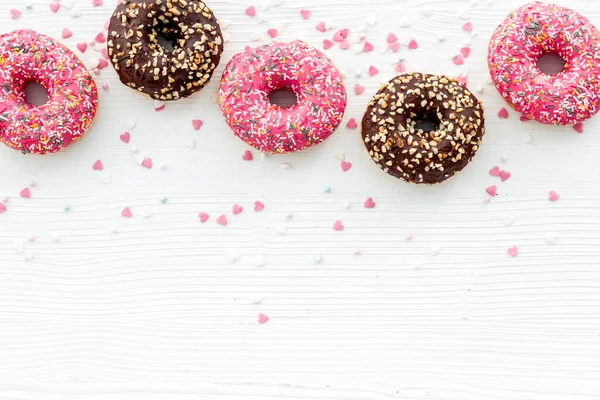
27, 56
535, 29
252, 75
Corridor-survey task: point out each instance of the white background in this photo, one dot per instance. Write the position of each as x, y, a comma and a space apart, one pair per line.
154, 307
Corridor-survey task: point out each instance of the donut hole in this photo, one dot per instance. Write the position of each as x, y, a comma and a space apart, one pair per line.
283, 98
427, 122
36, 94
167, 37
550, 63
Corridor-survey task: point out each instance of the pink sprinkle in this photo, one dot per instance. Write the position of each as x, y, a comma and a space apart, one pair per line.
369, 203
305, 13
344, 45
251, 11
147, 163
125, 137
258, 206
262, 318
126, 213
66, 33
100, 38
504, 175
408, 238
107, 24
82, 47
391, 38
247, 156
222, 220
338, 226
102, 63
503, 113
97, 3
14, 13
290, 216
344, 32
54, 6
359, 89
468, 26
553, 196
400, 68
373, 71
203, 217
272, 33
368, 47
104, 52
487, 199
465, 51
237, 209
352, 124
578, 127
413, 45
25, 193
492, 191
338, 36
462, 80
105, 85
98, 166
2, 208
513, 251
495, 171
321, 27
394, 47
458, 60
327, 44
197, 124
523, 118
346, 165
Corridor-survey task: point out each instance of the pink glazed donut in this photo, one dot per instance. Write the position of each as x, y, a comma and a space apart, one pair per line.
566, 98
27, 56
251, 76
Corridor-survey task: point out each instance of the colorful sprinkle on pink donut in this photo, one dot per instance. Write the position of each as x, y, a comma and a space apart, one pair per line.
251, 76
531, 31
27, 56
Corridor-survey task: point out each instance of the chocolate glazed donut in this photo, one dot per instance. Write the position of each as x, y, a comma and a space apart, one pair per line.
145, 65
400, 148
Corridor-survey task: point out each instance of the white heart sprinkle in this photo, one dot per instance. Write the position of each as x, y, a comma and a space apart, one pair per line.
262, 18
105, 177
163, 166
508, 219
405, 22
28, 256
255, 36
138, 157
28, 6
275, 3
427, 11
357, 49
329, 24
358, 73
528, 138
66, 3
225, 37
318, 259
56, 237
281, 230
347, 205
504, 159
259, 262
190, 144
371, 19
550, 237
286, 166
130, 125
435, 249
19, 246
479, 89
256, 300
145, 211
224, 23
264, 155
340, 155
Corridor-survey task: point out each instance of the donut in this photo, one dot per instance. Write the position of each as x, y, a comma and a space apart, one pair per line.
250, 78
531, 31
27, 56
402, 149
148, 67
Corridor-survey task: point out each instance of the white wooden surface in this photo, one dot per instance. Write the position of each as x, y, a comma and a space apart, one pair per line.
102, 307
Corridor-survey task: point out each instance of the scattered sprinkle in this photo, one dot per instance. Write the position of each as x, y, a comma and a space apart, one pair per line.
435, 249
147, 163
391, 38
492, 190
54, 6
25, 193
458, 60
204, 217
369, 203
164, 200
504, 175
318, 259
125, 137
578, 127
503, 113
66, 33
272, 32
2, 208
321, 27
508, 219
359, 89
513, 251
346, 165
98, 166
247, 156
553, 196
305, 13
126, 212
262, 319
251, 11
14, 13
550, 237
237, 209
468, 27
67, 208
413, 45
495, 171
373, 70
338, 226
352, 124
197, 124
82, 47
327, 189
258, 206
222, 220
327, 44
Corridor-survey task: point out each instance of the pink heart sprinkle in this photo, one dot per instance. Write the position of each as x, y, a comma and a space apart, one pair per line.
465, 51
503, 113
492, 191
495, 171
346, 165
2, 208
247, 156
391, 38
352, 124
82, 47
100, 38
359, 89
504, 176
222, 220
344, 45
25, 193
98, 166
203, 217
373, 71
369, 203
262, 318
54, 6
344, 32
107, 24
102, 63
468, 26
272, 33
523, 119
400, 68
251, 11
338, 226
305, 13
578, 127
104, 53
462, 80
338, 37
394, 47
368, 47
553, 196
125, 137
321, 27
66, 33
237, 209
327, 44
97, 3
147, 163
197, 124
413, 45
513, 251
126, 213
458, 60
14, 14
258, 206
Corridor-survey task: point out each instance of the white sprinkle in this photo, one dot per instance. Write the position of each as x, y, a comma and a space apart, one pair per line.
427, 11
232, 258
318, 259
550, 237
479, 89
226, 37
508, 219
259, 262
56, 237
354, 38
66, 3
224, 23
19, 246
528, 138
190, 144
163, 166
130, 125
357, 49
138, 157
286, 165
329, 24
256, 300
340, 155
28, 6
281, 230
158, 104
105, 85
435, 249
264, 155
28, 256
113, 230
408, 238
405, 22
255, 36
370, 19
417, 265
358, 73
504, 159
347, 205
262, 18
105, 177
145, 211
4, 199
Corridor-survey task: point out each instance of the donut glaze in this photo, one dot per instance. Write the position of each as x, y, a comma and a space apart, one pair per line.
535, 29
27, 56
251, 76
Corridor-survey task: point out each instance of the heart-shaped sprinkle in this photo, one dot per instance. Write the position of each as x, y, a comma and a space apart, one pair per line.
369, 203
100, 38
495, 171
147, 163
327, 44
458, 60
503, 113
359, 89
523, 118
400, 67
82, 47
394, 47
413, 45
373, 71
237, 209
126, 213
344, 45
346, 165
222, 220
125, 137
54, 6
368, 47
197, 124
578, 127
272, 33
465, 51
2, 208
97, 3
25, 193
553, 196
338, 37
504, 175
98, 166
262, 318
462, 80
391, 38
338, 226
66, 33
305, 13
352, 124
467, 26
321, 27
247, 156
203, 217
258, 206
251, 11
513, 251
14, 13
492, 191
